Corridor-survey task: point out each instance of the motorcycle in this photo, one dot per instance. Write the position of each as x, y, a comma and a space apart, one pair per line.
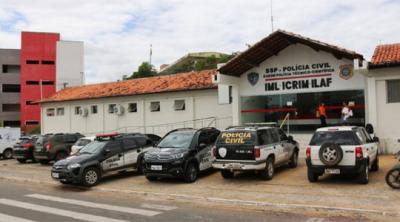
393, 176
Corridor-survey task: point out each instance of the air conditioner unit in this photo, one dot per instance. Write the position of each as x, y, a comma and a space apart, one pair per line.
119, 110
84, 112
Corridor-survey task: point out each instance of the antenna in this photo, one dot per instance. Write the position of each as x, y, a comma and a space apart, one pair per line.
272, 18
151, 53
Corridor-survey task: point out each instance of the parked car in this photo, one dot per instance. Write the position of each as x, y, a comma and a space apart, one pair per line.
55, 147
182, 153
81, 143
23, 149
8, 137
108, 153
342, 150
254, 148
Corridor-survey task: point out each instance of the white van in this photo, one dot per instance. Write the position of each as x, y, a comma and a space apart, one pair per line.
8, 137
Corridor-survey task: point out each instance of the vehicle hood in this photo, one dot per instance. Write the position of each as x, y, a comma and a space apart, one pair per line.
74, 159
166, 151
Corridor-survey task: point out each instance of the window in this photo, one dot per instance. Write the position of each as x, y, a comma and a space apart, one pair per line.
155, 107
60, 111
77, 110
111, 108
282, 135
93, 109
50, 112
11, 123
10, 68
129, 143
30, 103
11, 88
47, 82
31, 82
132, 107
393, 91
32, 61
31, 122
179, 105
274, 135
47, 62
68, 138
11, 107
263, 138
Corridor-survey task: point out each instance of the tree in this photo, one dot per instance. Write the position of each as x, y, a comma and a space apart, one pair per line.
144, 70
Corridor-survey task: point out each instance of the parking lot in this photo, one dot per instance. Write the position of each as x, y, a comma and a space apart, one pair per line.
289, 190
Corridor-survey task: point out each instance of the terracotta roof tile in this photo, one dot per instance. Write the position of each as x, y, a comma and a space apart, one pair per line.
388, 54
158, 84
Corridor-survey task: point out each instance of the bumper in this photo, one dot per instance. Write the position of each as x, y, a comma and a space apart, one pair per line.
357, 168
239, 166
66, 175
169, 170
42, 155
22, 154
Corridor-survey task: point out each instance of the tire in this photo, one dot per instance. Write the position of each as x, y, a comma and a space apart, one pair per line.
7, 154
269, 170
393, 178
61, 155
140, 166
363, 177
312, 177
375, 165
44, 162
20, 160
294, 159
90, 177
150, 178
191, 173
330, 154
226, 174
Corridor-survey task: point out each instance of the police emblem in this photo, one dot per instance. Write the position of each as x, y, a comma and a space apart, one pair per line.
346, 71
253, 78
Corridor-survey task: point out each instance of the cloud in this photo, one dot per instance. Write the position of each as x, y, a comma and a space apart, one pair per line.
117, 35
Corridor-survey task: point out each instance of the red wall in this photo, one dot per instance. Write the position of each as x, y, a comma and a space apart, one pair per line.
38, 47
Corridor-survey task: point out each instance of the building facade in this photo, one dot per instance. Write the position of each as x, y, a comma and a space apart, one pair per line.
69, 64
10, 88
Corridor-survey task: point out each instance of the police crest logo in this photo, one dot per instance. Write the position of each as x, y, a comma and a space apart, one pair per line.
346, 71
253, 78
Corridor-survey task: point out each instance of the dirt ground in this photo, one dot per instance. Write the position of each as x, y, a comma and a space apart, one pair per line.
288, 189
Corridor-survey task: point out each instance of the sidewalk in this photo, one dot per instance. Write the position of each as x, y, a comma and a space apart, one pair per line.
289, 189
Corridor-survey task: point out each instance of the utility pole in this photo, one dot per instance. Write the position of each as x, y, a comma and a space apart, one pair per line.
151, 53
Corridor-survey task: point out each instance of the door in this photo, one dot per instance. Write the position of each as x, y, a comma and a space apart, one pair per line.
131, 151
371, 145
205, 142
113, 156
275, 142
288, 147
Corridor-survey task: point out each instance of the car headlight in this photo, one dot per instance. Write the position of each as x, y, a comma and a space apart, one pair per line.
178, 156
73, 166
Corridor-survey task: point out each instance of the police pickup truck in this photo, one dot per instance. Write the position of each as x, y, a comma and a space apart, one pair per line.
106, 154
182, 153
253, 148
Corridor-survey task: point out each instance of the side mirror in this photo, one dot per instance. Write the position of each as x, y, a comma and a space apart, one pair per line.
106, 151
290, 138
376, 139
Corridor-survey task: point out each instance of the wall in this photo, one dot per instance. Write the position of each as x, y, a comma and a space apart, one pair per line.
9, 57
69, 64
199, 104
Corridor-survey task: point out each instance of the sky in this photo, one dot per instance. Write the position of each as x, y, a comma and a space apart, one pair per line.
117, 34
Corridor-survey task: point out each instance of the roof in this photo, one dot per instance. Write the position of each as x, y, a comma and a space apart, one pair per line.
157, 84
387, 55
336, 128
272, 45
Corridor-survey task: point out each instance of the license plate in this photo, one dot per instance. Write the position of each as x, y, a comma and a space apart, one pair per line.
332, 171
156, 167
236, 166
55, 175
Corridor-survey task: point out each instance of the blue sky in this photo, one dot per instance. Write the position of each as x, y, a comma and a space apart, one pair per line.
117, 33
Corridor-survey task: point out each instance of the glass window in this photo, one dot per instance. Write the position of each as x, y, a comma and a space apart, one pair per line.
132, 107
262, 136
177, 139
94, 147
111, 108
179, 105
60, 111
50, 112
155, 107
361, 136
11, 88
282, 135
129, 143
93, 109
78, 110
338, 137
393, 91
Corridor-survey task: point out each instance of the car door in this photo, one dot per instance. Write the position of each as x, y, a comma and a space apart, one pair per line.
288, 147
275, 142
205, 142
131, 151
372, 145
113, 156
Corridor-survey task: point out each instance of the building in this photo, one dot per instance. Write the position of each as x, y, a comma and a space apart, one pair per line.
152, 105
43, 65
10, 87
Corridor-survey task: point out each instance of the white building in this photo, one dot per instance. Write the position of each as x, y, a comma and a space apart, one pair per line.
151, 105
69, 64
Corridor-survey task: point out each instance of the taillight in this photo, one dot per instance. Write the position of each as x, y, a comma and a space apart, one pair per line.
257, 152
308, 152
27, 145
214, 151
48, 147
359, 152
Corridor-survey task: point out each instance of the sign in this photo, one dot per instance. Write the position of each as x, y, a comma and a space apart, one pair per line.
235, 137
346, 71
253, 78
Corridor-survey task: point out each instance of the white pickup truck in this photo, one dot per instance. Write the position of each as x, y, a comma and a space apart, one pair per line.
342, 150
8, 137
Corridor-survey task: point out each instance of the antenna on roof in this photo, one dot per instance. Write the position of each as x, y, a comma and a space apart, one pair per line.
272, 18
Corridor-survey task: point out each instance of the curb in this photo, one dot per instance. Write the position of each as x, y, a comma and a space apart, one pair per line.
235, 202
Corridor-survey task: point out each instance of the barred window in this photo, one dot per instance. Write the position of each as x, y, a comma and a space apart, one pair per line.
179, 105
393, 91
155, 107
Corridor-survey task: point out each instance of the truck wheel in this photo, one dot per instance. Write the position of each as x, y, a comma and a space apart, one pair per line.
363, 177
375, 165
269, 170
227, 174
7, 154
90, 177
20, 160
330, 154
191, 173
294, 159
393, 178
312, 177
44, 162
61, 155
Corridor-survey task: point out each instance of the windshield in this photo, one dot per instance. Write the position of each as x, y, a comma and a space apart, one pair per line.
178, 139
82, 142
236, 138
42, 139
338, 137
93, 147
